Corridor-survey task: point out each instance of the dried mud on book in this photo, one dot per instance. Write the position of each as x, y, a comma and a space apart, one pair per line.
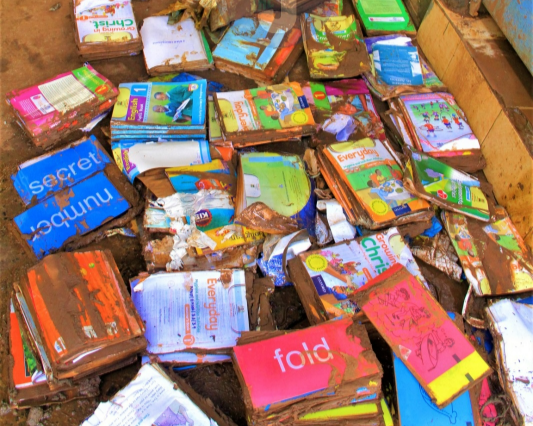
262, 115
81, 325
104, 31
323, 368
365, 177
263, 47
54, 109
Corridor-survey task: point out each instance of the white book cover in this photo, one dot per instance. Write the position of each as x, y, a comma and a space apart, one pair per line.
110, 22
150, 399
166, 45
182, 311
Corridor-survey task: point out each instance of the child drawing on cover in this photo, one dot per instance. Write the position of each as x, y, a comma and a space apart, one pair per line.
430, 129
378, 178
180, 105
426, 117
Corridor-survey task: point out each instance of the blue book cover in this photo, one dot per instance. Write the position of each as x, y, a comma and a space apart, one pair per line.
251, 41
41, 176
180, 104
397, 65
416, 408
73, 211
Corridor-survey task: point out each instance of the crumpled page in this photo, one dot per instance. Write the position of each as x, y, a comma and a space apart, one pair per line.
341, 229
438, 252
198, 10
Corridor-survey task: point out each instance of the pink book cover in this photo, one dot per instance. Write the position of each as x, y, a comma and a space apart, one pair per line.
307, 361
43, 106
421, 333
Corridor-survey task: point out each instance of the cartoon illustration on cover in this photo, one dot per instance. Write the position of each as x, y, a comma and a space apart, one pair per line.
439, 123
270, 108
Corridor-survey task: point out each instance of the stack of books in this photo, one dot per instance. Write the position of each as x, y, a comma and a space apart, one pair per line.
106, 31
154, 111
52, 110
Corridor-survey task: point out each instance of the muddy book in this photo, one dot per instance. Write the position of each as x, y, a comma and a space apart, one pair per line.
494, 257
398, 68
228, 11
263, 47
55, 108
422, 335
82, 325
384, 17
106, 30
175, 47
343, 110
511, 326
155, 110
366, 179
152, 398
205, 311
70, 193
305, 371
438, 127
274, 191
446, 187
266, 114
28, 384
333, 47
326, 278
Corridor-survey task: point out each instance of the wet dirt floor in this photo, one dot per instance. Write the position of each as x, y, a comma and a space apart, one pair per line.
37, 43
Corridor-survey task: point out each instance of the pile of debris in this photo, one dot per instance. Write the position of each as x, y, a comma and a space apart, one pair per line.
376, 210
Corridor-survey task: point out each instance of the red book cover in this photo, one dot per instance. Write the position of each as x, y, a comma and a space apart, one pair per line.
307, 361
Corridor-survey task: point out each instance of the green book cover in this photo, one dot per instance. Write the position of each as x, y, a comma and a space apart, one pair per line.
450, 185
384, 15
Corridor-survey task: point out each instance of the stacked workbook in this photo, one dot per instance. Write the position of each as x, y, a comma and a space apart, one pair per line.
366, 179
106, 31
155, 111
321, 374
52, 110
77, 328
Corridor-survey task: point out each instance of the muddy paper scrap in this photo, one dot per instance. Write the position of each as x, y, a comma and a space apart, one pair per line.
204, 310
511, 325
421, 333
341, 229
151, 398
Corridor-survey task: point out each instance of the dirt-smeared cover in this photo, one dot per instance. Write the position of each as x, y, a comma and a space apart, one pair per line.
262, 115
344, 111
73, 195
287, 375
446, 187
494, 257
154, 398
106, 30
421, 333
333, 47
79, 314
51, 110
366, 179
325, 279
263, 47
434, 124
